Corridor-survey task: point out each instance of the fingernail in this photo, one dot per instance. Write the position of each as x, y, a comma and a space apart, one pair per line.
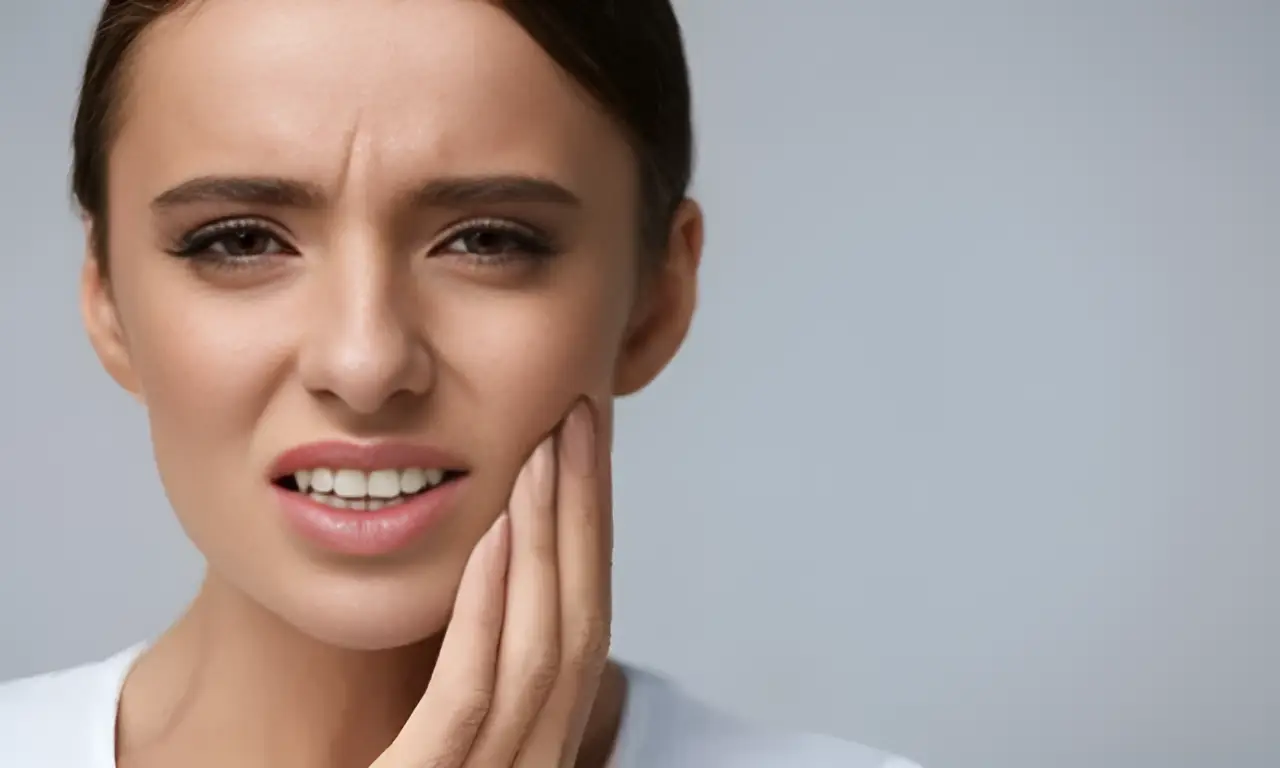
580, 438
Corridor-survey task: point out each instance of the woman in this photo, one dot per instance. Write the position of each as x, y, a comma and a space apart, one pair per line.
376, 271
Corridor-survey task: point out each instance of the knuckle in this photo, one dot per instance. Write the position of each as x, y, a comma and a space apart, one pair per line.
444, 760
452, 753
470, 718
588, 646
541, 669
469, 709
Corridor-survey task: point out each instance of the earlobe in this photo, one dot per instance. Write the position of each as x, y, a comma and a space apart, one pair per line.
102, 322
664, 312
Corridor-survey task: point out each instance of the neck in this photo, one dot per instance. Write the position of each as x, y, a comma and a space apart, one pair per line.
232, 681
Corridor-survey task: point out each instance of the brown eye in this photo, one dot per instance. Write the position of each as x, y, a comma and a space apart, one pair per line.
232, 241
492, 242
485, 242
246, 242
496, 242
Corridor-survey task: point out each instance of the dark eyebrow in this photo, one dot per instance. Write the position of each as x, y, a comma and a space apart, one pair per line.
454, 192
250, 190
463, 191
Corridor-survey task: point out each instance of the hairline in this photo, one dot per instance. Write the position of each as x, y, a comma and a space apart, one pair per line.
651, 225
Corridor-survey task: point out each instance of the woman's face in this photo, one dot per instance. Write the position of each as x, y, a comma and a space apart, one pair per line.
366, 222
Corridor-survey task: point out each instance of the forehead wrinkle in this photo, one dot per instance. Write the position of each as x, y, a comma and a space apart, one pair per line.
349, 155
395, 118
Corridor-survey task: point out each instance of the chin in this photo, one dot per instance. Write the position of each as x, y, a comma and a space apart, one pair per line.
366, 612
357, 630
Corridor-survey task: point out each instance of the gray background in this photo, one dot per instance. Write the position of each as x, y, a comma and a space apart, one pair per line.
972, 452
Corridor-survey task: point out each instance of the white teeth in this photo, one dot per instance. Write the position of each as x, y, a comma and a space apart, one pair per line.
354, 489
384, 484
372, 505
322, 481
334, 501
350, 483
413, 480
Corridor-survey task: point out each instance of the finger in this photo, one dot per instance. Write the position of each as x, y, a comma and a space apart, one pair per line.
444, 724
584, 536
529, 653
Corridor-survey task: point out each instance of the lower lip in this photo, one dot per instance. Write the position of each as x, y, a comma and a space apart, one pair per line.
363, 532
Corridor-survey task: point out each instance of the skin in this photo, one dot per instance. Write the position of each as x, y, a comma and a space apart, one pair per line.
360, 316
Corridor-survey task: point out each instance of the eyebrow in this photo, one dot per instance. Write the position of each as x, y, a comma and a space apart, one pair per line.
451, 192
249, 190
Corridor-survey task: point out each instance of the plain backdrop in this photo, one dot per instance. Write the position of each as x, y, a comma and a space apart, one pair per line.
973, 451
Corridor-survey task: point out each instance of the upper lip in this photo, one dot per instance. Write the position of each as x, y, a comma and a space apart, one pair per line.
367, 457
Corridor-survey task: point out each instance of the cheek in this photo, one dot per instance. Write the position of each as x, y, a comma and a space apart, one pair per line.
523, 359
205, 363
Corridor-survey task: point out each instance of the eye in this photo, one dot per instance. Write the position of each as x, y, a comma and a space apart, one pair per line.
246, 242
496, 241
232, 240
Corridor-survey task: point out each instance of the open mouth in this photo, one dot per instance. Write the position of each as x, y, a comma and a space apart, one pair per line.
360, 490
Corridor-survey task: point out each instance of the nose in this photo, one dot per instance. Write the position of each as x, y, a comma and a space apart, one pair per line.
365, 346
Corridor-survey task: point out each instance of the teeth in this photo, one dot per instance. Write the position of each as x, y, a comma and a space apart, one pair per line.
350, 484
372, 505
332, 501
384, 484
322, 480
413, 480
355, 486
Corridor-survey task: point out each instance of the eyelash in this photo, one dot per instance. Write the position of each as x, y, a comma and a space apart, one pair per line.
199, 244
528, 243
520, 242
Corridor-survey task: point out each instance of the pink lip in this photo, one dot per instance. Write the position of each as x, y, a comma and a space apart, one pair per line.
363, 532
367, 458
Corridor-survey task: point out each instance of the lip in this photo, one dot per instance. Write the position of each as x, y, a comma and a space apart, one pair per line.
365, 457
365, 533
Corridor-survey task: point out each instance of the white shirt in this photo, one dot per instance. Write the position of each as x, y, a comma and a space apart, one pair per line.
67, 719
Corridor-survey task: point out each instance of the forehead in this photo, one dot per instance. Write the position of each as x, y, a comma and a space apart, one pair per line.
371, 94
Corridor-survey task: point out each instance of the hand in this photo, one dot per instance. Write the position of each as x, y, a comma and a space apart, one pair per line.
523, 655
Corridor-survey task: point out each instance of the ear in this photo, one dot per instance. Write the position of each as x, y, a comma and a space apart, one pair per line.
664, 307
102, 321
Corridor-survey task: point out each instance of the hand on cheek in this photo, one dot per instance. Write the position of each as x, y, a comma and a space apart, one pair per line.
521, 661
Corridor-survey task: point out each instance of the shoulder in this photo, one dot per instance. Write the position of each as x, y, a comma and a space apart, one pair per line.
664, 726
62, 718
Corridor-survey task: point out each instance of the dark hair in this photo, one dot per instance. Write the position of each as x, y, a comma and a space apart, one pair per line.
627, 54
